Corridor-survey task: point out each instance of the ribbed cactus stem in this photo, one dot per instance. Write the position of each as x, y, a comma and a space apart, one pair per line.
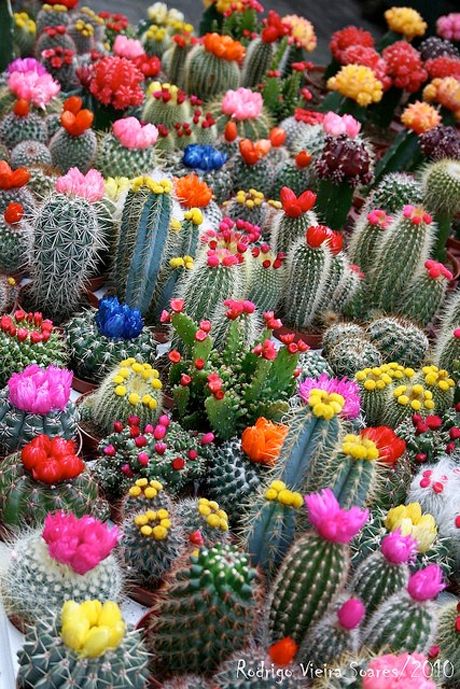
367, 237
6, 34
258, 59
288, 230
447, 354
425, 294
353, 479
448, 638
207, 75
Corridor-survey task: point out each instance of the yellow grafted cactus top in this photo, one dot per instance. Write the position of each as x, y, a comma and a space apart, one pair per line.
406, 21
357, 82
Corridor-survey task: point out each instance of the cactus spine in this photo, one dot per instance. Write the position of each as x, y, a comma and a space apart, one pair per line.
207, 75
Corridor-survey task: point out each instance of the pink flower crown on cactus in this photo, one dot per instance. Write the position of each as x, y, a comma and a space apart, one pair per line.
242, 104
36, 88
437, 270
75, 183
404, 671
330, 521
127, 47
348, 389
132, 134
38, 390
79, 543
335, 125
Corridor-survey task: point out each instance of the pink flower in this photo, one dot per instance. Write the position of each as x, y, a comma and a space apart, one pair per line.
335, 125
331, 521
448, 26
242, 104
75, 183
127, 47
38, 390
417, 216
36, 88
132, 134
379, 218
397, 548
347, 388
351, 614
437, 270
79, 543
426, 583
404, 671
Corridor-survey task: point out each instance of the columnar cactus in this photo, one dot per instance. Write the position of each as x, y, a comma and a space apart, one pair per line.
105, 651
425, 293
166, 104
448, 638
16, 238
212, 67
318, 563
296, 218
447, 353
44, 570
367, 238
296, 173
208, 611
258, 59
74, 144
441, 189
267, 278
407, 620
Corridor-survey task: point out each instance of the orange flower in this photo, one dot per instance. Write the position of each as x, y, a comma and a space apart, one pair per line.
446, 92
192, 192
283, 651
223, 47
262, 442
253, 152
420, 117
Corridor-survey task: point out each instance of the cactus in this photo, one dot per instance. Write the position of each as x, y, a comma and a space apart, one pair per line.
24, 33
439, 382
405, 247
254, 669
52, 654
146, 242
448, 639
304, 137
82, 33
115, 160
99, 339
41, 183
213, 596
315, 569
398, 340
74, 144
36, 582
335, 635
447, 353
270, 524
425, 294
395, 191
295, 220
295, 173
384, 572
16, 237
248, 205
205, 516
441, 190
253, 127
130, 388
248, 172
7, 44
151, 541
207, 74
257, 62
49, 15
29, 153
312, 364
267, 278
145, 495
375, 384
67, 240
351, 355
53, 37
367, 237
405, 399
26, 338
166, 104
337, 332
407, 620
231, 477
22, 125
13, 189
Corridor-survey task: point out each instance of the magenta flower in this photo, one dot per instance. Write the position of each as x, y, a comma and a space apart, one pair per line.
404, 671
36, 88
38, 390
397, 548
351, 613
242, 104
331, 521
127, 47
75, 183
335, 125
132, 134
347, 388
448, 26
79, 543
426, 583
26, 64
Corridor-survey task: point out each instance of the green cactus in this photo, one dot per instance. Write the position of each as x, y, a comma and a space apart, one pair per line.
440, 384
368, 234
45, 657
448, 639
73, 151
425, 294
82, 34
115, 160
50, 16
267, 279
186, 682
398, 340
130, 388
257, 62
35, 583
251, 128
209, 610
16, 239
51, 38
258, 175
144, 495
93, 355
205, 516
312, 364
303, 137
67, 240
207, 75
447, 353
296, 173
351, 355
24, 34
405, 247
375, 384
26, 502
441, 191
243, 671
6, 34
231, 477
151, 541
394, 191
20, 195
17, 128
34, 341
451, 315
29, 153
340, 331
288, 230
174, 61
166, 104
42, 180
249, 205
403, 400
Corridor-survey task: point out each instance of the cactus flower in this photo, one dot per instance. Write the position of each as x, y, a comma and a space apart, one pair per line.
404, 671
127, 47
36, 88
262, 442
346, 389
40, 390
335, 125
132, 134
90, 186
448, 26
51, 460
397, 548
118, 321
91, 628
389, 445
426, 583
405, 21
242, 104
351, 613
410, 520
331, 521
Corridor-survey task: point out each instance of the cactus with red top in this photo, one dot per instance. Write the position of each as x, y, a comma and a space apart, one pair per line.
296, 218
15, 237
261, 50
267, 278
22, 124
74, 144
367, 236
426, 293
13, 188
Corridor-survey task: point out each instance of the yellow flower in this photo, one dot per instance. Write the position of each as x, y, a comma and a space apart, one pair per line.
302, 32
325, 404
277, 491
438, 378
420, 117
405, 21
414, 396
213, 515
357, 82
114, 186
411, 522
91, 628
153, 524
360, 448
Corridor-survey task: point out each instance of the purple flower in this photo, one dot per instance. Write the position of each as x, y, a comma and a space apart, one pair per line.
348, 389
351, 613
426, 583
331, 521
397, 548
38, 390
24, 65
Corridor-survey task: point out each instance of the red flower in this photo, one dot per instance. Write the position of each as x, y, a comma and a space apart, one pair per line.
178, 463
316, 235
303, 159
266, 350
443, 66
150, 66
174, 356
277, 137
389, 445
336, 242
271, 322
293, 205
404, 66
116, 81
185, 380
308, 116
253, 152
51, 460
283, 651
14, 213
274, 28
348, 36
12, 179
21, 108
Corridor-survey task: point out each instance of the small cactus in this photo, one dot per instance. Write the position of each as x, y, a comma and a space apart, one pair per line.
398, 340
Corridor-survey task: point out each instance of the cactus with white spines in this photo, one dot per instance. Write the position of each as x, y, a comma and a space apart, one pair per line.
49, 15
425, 294
367, 236
398, 339
22, 124
375, 385
448, 639
205, 516
208, 73
394, 191
30, 152
292, 224
441, 190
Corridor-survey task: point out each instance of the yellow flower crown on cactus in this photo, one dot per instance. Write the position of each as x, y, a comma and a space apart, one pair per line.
251, 198
24, 22
358, 447
138, 382
54, 8
406, 21
95, 18
438, 377
194, 215
179, 26
114, 186
411, 522
172, 89
378, 377
414, 396
163, 186
149, 489
154, 524
357, 82
156, 33
325, 404
84, 28
91, 628
186, 262
278, 492
213, 515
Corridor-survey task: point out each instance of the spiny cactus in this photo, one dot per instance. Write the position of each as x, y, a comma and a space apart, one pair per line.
395, 191
375, 384
145, 495
49, 15
256, 669
398, 340
151, 541
205, 516
447, 353
13, 188
251, 167
296, 218
53, 37
213, 596
315, 569
74, 144
209, 71
267, 278
296, 173
353, 354
257, 62
407, 620
253, 122
441, 190
29, 153
312, 364
166, 104
439, 382
367, 237
22, 125
53, 653
16, 237
405, 399
425, 293
24, 33
303, 137
249, 205
82, 33
116, 160
448, 639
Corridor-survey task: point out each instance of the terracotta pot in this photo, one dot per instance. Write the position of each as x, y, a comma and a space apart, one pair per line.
82, 386
312, 339
19, 623
89, 435
96, 283
161, 334
92, 299
142, 595
116, 510
453, 246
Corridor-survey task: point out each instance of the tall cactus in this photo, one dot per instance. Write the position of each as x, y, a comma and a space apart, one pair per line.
425, 294
6, 34
296, 218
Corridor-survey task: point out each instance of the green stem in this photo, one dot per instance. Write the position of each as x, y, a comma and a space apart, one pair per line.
400, 156
382, 113
6, 34
444, 223
333, 203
